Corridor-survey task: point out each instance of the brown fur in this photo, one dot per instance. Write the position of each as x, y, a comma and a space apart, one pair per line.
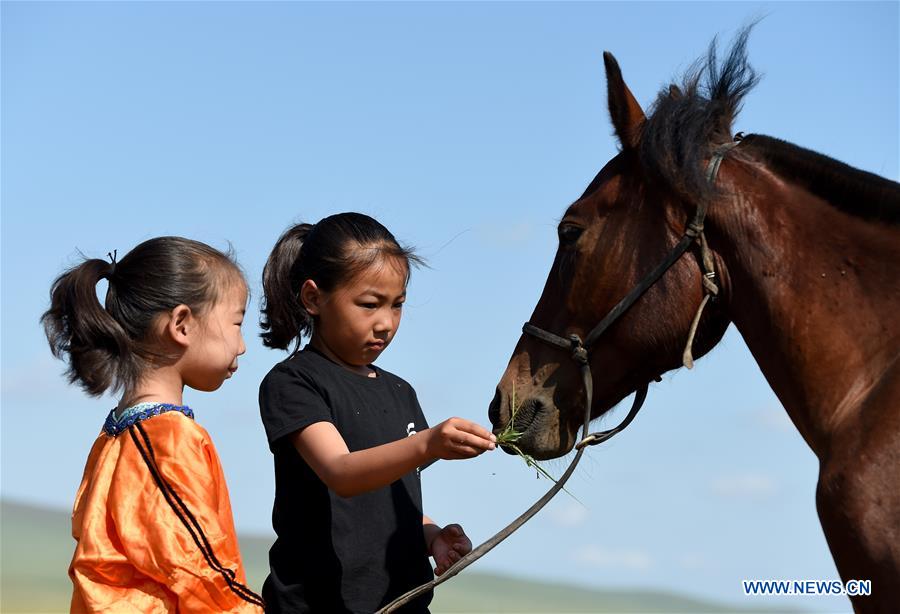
811, 285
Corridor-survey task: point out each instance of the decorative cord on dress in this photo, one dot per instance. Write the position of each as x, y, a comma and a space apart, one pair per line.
188, 520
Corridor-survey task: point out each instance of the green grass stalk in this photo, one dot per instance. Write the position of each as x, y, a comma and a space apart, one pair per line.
509, 436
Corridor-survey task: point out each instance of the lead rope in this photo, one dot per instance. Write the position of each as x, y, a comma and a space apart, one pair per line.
580, 355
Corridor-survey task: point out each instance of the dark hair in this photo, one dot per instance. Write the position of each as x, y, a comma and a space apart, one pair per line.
110, 346
330, 253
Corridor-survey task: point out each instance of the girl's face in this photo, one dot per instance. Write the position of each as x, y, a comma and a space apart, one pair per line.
357, 320
211, 358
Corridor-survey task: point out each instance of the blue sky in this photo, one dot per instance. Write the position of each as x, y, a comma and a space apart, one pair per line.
467, 129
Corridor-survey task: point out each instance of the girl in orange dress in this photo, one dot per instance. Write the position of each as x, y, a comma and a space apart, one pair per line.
152, 519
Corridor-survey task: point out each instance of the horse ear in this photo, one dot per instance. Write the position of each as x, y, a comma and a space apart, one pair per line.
627, 115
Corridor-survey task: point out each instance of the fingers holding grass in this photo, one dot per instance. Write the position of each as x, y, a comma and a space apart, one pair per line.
457, 438
475, 429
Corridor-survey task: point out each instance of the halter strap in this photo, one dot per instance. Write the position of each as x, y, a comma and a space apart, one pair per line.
580, 350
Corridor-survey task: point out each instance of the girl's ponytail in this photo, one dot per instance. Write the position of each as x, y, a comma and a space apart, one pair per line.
283, 316
99, 350
110, 346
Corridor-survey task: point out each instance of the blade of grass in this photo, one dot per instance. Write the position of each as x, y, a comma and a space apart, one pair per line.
509, 436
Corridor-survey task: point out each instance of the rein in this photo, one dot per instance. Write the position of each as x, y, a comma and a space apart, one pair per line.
580, 354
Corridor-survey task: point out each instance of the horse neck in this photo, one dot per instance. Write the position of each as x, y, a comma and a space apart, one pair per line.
812, 290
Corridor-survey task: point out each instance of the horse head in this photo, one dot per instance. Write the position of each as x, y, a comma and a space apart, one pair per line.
628, 219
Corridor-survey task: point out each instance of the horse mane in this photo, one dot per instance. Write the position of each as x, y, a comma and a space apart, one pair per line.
687, 122
854, 191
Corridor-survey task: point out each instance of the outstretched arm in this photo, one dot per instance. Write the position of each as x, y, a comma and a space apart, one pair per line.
352, 473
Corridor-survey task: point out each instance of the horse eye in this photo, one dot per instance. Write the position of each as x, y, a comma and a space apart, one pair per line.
568, 234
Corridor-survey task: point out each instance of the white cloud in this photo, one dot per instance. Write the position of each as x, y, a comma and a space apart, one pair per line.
773, 419
745, 486
40, 379
505, 235
598, 556
569, 514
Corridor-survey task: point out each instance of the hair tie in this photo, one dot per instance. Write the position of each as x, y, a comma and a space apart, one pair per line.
112, 261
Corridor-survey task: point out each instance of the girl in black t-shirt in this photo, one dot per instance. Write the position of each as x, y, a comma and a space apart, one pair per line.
347, 436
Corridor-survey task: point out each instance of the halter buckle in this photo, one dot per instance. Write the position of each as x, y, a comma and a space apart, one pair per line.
579, 352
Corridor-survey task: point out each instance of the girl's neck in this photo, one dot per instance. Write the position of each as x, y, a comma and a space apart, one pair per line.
319, 344
163, 385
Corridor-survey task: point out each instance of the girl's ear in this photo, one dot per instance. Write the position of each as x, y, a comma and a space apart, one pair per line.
180, 325
311, 297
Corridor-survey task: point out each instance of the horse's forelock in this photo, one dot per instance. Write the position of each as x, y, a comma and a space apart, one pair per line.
686, 122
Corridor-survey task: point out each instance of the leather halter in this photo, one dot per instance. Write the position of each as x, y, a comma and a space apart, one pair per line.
580, 350
580, 353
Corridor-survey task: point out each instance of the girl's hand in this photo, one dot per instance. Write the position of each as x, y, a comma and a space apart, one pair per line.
448, 546
457, 438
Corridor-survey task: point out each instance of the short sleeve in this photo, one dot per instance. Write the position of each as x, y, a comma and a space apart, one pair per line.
289, 401
417, 409
182, 538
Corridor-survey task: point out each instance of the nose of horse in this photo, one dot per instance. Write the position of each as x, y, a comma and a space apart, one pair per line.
494, 408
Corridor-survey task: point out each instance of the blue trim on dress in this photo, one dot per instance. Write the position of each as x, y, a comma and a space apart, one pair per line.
138, 413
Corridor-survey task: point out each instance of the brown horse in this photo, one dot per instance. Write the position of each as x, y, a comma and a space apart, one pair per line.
805, 252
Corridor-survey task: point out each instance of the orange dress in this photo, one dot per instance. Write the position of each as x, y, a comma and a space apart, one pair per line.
134, 554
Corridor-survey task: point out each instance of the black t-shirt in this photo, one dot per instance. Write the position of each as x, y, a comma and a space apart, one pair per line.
333, 554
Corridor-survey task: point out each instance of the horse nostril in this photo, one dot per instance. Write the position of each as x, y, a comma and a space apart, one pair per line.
527, 412
494, 408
